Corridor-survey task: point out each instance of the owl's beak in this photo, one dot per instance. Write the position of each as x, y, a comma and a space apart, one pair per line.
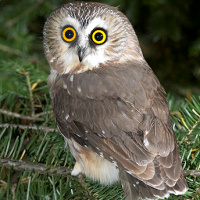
81, 53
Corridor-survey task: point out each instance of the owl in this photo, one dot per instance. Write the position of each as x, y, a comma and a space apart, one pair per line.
108, 104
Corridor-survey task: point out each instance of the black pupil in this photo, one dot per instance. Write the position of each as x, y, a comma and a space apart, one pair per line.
98, 36
69, 34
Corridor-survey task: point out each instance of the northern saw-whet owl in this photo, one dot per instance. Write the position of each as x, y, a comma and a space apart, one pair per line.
108, 103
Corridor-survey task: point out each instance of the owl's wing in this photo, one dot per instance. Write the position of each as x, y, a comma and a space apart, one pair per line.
121, 113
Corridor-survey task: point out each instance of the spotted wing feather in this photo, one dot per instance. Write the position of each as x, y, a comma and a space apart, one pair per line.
121, 112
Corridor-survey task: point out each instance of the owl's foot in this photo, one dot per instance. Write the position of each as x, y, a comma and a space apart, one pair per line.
77, 169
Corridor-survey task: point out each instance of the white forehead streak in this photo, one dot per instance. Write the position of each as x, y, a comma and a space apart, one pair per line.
72, 22
97, 22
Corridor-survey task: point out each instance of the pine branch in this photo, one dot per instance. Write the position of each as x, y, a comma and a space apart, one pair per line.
83, 184
44, 113
42, 128
19, 53
40, 168
195, 173
30, 93
11, 50
196, 123
20, 165
13, 114
192, 116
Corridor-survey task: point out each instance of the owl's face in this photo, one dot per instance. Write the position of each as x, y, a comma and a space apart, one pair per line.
80, 36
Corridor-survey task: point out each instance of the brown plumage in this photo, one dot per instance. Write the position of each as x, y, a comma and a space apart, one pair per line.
113, 113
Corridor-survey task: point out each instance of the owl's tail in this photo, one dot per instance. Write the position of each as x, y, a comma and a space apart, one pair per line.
135, 189
130, 191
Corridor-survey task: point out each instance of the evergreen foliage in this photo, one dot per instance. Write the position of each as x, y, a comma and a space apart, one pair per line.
27, 127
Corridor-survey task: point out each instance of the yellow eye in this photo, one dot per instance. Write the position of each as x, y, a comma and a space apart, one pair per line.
99, 36
68, 34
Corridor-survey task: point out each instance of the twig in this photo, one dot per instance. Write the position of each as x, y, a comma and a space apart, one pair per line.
196, 193
40, 168
194, 126
2, 181
191, 173
30, 93
198, 121
44, 113
19, 165
11, 50
13, 114
18, 53
40, 128
83, 184
186, 141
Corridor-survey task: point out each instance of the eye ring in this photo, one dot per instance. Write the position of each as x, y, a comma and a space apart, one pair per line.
99, 36
68, 34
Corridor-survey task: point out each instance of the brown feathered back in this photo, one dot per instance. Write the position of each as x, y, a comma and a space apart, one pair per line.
122, 112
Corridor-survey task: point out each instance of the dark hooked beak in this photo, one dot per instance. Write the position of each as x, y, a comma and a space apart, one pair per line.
81, 53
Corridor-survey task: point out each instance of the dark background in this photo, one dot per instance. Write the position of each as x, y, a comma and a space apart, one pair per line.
168, 31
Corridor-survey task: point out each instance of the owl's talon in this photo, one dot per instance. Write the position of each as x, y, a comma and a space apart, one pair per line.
77, 169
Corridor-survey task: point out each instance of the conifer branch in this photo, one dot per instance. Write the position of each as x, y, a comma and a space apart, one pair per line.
44, 113
11, 50
20, 165
16, 115
30, 93
83, 184
41, 128
40, 168
195, 173
17, 52
196, 123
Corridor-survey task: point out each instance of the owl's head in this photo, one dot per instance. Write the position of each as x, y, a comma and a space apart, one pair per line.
82, 36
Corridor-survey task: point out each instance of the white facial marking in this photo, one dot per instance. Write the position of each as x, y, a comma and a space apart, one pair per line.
93, 57
67, 117
97, 22
97, 57
73, 22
